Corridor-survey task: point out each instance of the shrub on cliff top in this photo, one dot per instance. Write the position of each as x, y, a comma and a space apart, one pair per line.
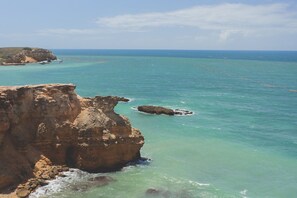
27, 48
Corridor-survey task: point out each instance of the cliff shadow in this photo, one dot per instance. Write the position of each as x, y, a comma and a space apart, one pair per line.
71, 155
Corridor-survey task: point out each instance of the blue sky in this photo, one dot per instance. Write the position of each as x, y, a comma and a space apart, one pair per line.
150, 24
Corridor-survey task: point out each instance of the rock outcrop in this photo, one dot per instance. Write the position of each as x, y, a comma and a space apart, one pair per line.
43, 126
155, 110
20, 56
162, 110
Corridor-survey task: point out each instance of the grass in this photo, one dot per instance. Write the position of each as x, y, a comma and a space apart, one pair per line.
9, 51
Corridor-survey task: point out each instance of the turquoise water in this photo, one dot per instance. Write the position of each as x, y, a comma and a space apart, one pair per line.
241, 141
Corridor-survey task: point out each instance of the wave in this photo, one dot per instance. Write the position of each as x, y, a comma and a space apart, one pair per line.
61, 184
243, 193
131, 99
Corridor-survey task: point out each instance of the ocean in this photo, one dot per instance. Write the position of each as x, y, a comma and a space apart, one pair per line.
240, 142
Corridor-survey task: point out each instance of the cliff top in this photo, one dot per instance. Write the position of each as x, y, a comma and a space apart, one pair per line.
55, 85
6, 51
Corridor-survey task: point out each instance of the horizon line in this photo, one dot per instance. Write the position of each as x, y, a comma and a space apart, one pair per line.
164, 49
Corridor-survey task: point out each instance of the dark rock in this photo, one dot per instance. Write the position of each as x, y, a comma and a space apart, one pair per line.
61, 175
140, 161
122, 99
155, 110
162, 110
65, 169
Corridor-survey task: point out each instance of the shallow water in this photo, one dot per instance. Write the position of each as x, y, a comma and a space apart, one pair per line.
241, 141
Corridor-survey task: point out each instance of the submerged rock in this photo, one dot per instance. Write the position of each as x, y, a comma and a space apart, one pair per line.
44, 126
163, 193
102, 180
80, 187
162, 110
153, 192
98, 181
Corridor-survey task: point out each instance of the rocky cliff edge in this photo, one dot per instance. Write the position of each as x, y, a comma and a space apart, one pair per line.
52, 124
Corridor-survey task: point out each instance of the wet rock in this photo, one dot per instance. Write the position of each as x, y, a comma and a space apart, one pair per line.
162, 110
156, 110
42, 182
123, 99
141, 161
64, 168
22, 192
61, 175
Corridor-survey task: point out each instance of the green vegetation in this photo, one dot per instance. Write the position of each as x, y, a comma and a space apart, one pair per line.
27, 48
22, 55
9, 51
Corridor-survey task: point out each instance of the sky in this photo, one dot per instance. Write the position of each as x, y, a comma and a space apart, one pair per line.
150, 24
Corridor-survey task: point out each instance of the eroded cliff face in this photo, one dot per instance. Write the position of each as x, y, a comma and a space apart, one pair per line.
52, 122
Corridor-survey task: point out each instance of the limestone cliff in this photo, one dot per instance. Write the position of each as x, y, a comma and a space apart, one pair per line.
52, 124
14, 56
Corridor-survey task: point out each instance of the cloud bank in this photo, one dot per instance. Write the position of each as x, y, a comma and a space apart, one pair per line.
227, 19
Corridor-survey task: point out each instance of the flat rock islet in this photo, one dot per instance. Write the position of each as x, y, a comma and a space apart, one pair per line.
162, 110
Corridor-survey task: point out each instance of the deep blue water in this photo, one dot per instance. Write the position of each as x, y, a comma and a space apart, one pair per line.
287, 56
241, 141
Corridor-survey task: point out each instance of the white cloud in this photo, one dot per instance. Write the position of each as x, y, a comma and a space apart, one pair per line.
220, 26
226, 34
226, 19
63, 31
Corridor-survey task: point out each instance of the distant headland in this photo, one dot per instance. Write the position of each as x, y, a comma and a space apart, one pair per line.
21, 55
